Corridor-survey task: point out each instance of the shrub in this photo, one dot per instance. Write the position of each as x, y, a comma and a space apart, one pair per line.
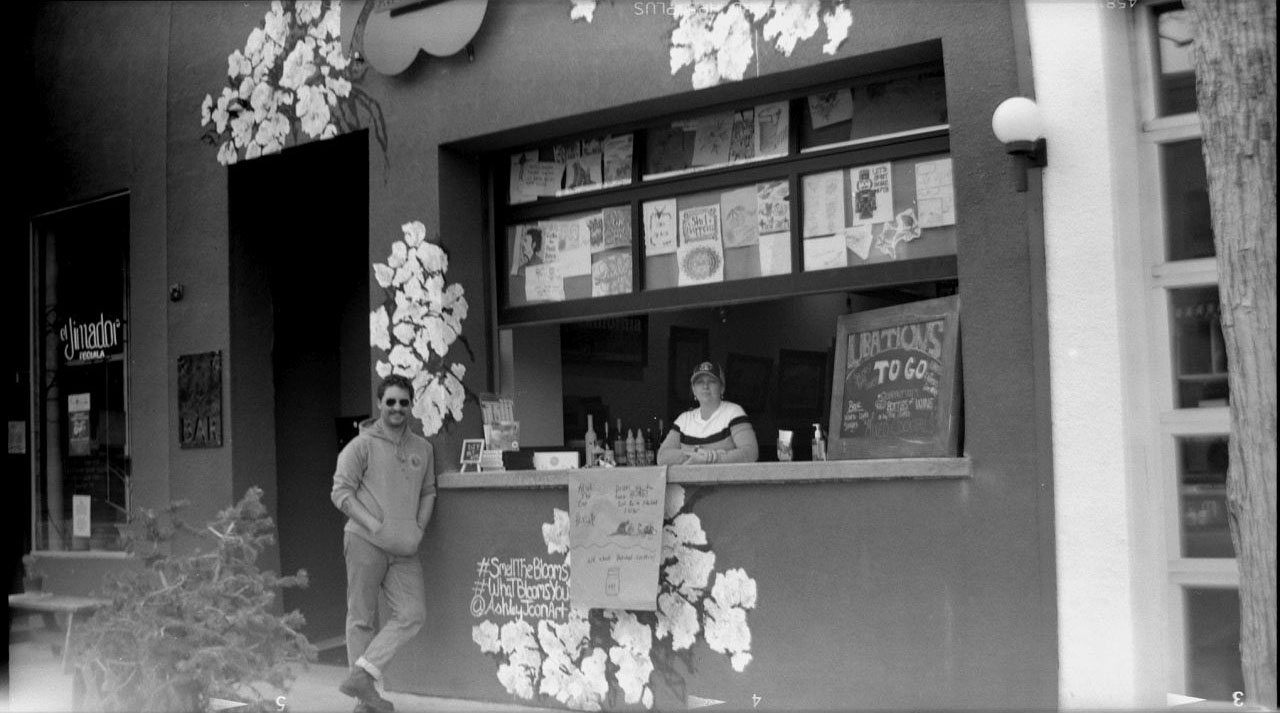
193, 626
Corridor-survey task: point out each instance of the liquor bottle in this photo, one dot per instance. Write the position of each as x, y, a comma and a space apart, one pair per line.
642, 447
650, 448
589, 441
631, 448
619, 445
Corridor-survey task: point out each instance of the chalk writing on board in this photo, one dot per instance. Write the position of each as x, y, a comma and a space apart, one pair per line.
521, 587
891, 380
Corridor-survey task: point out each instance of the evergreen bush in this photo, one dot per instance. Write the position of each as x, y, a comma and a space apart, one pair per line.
192, 626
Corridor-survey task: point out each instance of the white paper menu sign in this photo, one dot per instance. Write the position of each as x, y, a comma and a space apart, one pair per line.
81, 525
615, 537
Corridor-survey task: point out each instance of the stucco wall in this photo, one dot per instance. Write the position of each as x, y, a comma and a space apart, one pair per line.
1084, 88
94, 125
533, 65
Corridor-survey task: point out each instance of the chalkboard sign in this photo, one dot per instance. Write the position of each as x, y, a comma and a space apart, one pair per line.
894, 391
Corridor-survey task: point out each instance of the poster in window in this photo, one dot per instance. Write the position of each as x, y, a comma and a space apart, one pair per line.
773, 207
79, 432
830, 107
527, 248
700, 224
200, 400
823, 203
872, 188
935, 193
742, 140
711, 139
617, 159
617, 228
700, 263
738, 217
771, 124
903, 229
583, 172
897, 382
659, 227
611, 274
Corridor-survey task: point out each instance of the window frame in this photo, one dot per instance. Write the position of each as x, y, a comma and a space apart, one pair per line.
895, 146
1160, 519
41, 332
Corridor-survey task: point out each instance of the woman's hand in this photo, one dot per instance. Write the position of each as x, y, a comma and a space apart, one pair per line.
700, 457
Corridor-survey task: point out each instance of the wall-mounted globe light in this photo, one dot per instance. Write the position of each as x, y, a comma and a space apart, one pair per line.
1016, 123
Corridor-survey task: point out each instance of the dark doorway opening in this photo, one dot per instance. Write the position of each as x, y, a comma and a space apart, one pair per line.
299, 350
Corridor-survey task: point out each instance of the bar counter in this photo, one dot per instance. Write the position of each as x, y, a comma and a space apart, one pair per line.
771, 473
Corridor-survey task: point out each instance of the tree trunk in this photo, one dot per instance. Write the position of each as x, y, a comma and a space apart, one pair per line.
1235, 54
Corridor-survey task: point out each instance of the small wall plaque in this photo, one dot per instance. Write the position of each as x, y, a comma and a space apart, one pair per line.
200, 400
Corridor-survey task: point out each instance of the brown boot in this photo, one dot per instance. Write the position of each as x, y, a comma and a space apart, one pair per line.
360, 685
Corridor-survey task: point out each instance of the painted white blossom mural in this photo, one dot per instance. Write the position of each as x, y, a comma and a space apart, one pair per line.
290, 84
418, 323
717, 37
598, 659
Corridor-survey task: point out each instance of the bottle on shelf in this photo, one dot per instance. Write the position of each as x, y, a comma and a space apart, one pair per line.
650, 447
619, 445
642, 447
631, 448
819, 443
589, 441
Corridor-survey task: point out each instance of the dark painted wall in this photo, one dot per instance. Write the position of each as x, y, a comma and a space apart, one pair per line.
870, 596
115, 103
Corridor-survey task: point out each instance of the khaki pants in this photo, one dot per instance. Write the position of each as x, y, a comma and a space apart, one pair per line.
370, 571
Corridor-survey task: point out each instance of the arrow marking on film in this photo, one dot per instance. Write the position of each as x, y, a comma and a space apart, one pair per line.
1177, 699
700, 702
218, 704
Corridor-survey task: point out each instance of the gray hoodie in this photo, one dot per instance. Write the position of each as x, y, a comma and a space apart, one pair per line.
389, 477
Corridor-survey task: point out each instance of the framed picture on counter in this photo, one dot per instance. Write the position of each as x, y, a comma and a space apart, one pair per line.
897, 382
471, 450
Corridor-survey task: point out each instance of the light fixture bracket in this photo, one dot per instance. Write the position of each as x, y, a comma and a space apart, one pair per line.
1034, 153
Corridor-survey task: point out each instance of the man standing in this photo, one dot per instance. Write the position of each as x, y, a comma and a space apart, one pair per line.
385, 484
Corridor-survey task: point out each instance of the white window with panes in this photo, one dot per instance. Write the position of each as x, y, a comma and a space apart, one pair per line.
1186, 369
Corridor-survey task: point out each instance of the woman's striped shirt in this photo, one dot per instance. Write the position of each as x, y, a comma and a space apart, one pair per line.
712, 433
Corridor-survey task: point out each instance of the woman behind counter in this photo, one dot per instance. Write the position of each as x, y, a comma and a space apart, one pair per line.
717, 431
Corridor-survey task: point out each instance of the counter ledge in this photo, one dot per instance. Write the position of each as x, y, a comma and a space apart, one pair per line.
739, 473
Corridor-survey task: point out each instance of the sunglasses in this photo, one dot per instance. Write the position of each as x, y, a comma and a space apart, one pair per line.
402, 402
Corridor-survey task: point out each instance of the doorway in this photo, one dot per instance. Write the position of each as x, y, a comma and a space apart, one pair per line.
300, 374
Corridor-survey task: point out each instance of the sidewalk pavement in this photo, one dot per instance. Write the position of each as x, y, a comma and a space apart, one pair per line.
36, 683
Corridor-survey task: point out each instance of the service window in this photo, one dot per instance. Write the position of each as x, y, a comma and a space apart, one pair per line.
739, 232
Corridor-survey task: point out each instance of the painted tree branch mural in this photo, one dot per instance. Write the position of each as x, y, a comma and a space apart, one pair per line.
717, 37
417, 324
